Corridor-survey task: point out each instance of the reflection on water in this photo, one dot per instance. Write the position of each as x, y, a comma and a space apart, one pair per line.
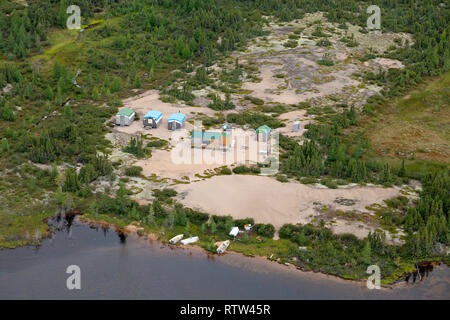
117, 265
423, 270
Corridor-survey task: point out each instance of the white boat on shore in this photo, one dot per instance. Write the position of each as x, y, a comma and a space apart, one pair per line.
189, 240
176, 239
223, 246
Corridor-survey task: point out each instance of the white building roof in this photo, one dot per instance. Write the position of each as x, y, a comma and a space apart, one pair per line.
234, 231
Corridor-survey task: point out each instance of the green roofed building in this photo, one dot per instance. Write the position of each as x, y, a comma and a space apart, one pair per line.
125, 117
263, 133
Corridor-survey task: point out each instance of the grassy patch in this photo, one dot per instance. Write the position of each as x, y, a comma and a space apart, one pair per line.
414, 126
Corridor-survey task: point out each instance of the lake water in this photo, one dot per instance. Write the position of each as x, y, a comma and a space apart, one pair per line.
117, 266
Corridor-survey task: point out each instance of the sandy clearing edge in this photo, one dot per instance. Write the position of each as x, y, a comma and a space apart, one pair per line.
270, 201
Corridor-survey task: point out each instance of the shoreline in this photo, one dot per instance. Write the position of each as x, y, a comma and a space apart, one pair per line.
133, 230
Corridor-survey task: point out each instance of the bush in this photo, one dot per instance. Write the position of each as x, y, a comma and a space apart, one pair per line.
157, 143
196, 217
225, 170
349, 238
254, 100
291, 44
282, 178
164, 194
326, 62
135, 147
242, 222
308, 180
256, 169
255, 120
400, 202
134, 171
265, 230
241, 169
329, 183
210, 246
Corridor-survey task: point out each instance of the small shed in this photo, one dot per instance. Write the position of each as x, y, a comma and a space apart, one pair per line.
263, 133
152, 119
234, 231
227, 127
204, 138
176, 121
125, 117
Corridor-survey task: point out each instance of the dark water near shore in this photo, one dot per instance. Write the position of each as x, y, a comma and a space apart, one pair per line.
118, 266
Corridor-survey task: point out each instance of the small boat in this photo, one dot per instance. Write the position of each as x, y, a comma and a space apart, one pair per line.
176, 239
189, 240
223, 246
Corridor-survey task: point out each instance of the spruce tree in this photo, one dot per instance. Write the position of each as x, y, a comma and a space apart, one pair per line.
7, 112
402, 171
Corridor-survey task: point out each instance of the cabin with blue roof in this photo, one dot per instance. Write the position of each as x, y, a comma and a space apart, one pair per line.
152, 119
176, 121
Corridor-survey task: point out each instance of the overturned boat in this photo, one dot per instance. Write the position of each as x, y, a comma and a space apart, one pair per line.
223, 246
189, 240
176, 239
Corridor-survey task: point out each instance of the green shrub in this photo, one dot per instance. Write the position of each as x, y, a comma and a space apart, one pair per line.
291, 44
164, 194
265, 230
254, 100
133, 171
157, 143
242, 169
242, 222
226, 171
282, 178
326, 62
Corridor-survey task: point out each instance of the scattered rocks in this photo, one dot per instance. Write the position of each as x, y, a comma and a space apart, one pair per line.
345, 202
7, 88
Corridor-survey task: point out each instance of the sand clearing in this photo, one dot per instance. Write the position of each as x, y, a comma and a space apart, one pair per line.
163, 166
270, 201
150, 100
289, 118
183, 161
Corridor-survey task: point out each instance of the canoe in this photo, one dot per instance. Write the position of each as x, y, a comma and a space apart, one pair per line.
176, 239
189, 240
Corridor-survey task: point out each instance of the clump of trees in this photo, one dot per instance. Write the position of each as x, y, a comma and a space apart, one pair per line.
265, 230
255, 120
136, 147
219, 104
326, 154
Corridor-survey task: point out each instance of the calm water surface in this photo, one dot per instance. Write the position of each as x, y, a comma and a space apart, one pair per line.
116, 266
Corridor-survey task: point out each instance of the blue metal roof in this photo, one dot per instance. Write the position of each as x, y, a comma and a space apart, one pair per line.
177, 117
155, 114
